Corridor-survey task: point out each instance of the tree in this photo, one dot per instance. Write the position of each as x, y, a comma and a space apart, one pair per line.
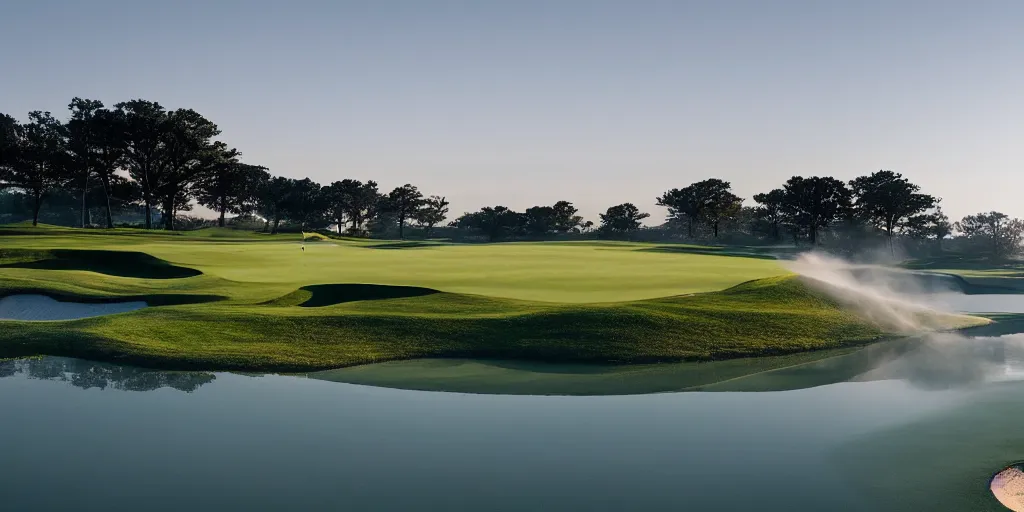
683, 207
39, 161
1001, 233
770, 210
10, 137
622, 218
539, 221
564, 217
710, 201
304, 204
887, 200
144, 127
433, 212
225, 184
83, 147
272, 203
497, 223
405, 203
928, 226
336, 203
110, 135
360, 201
184, 154
815, 203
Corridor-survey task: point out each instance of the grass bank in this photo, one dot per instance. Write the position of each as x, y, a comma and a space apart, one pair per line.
227, 303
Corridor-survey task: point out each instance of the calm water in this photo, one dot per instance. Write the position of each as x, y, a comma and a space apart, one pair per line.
907, 427
85, 436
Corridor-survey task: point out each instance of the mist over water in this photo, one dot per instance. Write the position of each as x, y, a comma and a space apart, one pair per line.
919, 307
894, 300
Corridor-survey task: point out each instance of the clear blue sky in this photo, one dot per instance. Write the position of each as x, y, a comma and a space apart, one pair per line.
528, 102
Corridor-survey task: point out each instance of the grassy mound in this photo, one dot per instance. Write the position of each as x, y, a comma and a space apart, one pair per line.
264, 304
113, 263
773, 316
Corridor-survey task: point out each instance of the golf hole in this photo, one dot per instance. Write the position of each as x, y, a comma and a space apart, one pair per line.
43, 308
1008, 487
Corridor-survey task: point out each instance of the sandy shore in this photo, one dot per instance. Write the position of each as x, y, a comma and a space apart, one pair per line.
1008, 487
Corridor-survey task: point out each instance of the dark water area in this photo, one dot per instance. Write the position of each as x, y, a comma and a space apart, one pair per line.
88, 436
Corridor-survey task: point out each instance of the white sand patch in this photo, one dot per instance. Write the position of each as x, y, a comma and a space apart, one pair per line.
1008, 487
41, 307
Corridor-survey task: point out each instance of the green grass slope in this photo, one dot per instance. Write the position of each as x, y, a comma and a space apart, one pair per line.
266, 305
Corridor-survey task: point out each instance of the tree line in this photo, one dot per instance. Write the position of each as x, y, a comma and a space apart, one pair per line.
163, 161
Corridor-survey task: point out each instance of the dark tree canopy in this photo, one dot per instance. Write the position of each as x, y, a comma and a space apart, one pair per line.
622, 218
404, 203
710, 202
815, 203
770, 210
497, 223
1002, 234
887, 200
433, 212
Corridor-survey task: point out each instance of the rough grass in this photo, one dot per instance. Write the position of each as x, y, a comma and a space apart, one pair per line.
266, 305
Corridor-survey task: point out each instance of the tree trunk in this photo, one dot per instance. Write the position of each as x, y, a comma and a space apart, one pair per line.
169, 214
106, 196
149, 213
223, 211
277, 222
85, 208
339, 226
38, 196
814, 236
401, 227
266, 224
714, 228
689, 227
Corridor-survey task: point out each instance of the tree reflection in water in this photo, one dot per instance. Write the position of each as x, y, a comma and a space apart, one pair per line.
88, 374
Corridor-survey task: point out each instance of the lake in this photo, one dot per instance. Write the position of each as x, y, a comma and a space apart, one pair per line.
89, 436
901, 426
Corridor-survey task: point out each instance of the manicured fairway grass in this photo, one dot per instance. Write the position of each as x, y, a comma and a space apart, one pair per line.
261, 303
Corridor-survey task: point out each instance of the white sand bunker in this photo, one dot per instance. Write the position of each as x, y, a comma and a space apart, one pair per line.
41, 307
1008, 487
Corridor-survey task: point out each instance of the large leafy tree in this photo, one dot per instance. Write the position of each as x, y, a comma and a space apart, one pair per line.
539, 221
109, 138
39, 160
145, 123
304, 204
888, 200
622, 218
358, 202
710, 202
814, 203
10, 133
336, 203
770, 211
497, 223
404, 203
226, 185
1002, 233
683, 207
83, 148
272, 203
433, 212
565, 217
184, 155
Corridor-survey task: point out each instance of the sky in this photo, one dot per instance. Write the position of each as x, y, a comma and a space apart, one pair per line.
529, 102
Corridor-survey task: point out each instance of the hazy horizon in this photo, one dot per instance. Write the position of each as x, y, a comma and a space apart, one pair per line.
533, 102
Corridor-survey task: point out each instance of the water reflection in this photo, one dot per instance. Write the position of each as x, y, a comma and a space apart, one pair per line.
87, 374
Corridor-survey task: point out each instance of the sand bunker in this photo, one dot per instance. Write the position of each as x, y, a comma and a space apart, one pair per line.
41, 307
1008, 487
